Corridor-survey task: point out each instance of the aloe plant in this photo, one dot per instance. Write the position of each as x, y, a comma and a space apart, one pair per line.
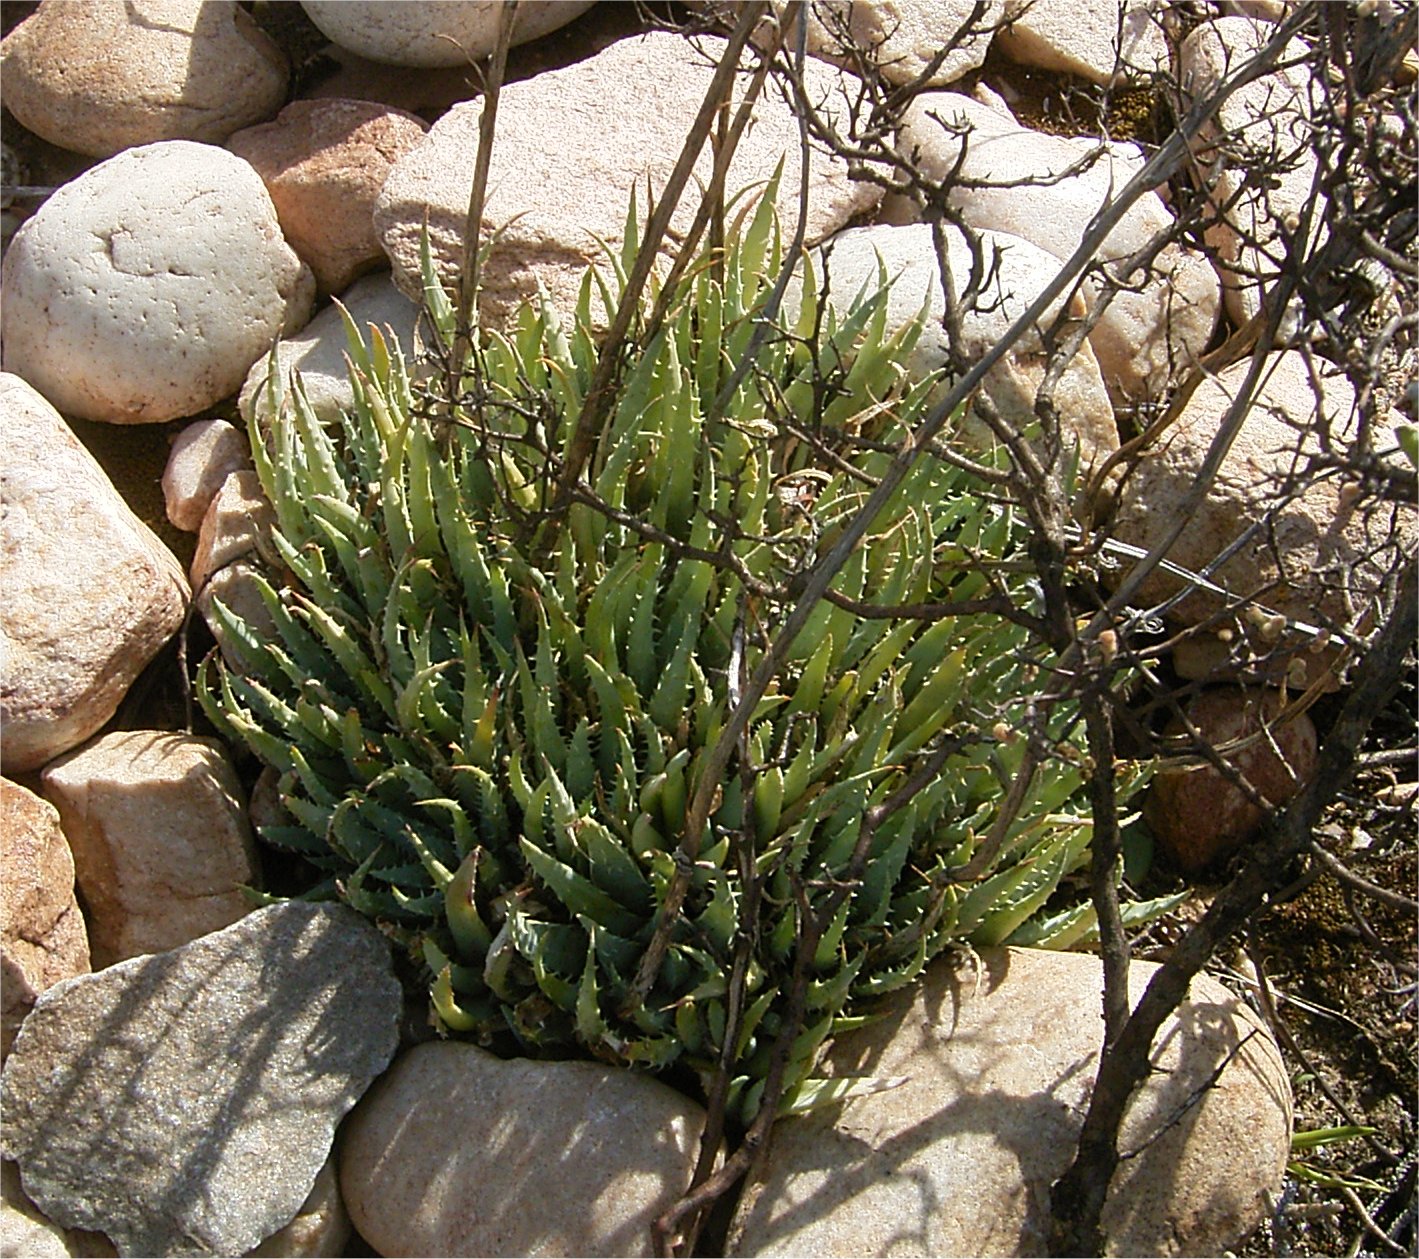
488, 715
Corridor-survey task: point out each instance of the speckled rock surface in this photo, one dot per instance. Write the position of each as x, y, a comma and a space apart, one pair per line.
99, 76
449, 33
324, 162
909, 254
88, 594
564, 168
907, 34
571, 1158
958, 1160
162, 847
184, 1103
42, 934
145, 289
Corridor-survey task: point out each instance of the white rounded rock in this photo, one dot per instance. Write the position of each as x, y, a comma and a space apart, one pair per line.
88, 593
902, 37
105, 75
441, 33
317, 352
570, 1158
145, 289
1047, 189
852, 259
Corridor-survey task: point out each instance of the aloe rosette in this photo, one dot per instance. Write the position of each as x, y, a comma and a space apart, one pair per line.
488, 717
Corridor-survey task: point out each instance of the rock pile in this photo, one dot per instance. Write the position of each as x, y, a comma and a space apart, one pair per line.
183, 1098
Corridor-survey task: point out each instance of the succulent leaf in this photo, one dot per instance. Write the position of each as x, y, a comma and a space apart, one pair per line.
491, 715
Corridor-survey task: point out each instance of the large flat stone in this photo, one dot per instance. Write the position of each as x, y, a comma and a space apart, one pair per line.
183, 1103
564, 167
959, 1160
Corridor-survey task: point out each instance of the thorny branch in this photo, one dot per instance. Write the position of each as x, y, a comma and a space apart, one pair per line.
473, 229
1085, 651
1089, 651
1078, 1196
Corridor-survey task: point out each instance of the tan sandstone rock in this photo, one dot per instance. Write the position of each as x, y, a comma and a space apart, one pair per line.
160, 838
450, 33
1147, 339
569, 1158
235, 589
42, 934
324, 162
959, 1159
238, 519
202, 457
564, 168
88, 593
851, 259
1308, 545
100, 76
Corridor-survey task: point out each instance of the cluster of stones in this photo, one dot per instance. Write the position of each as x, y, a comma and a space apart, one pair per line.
223, 1046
